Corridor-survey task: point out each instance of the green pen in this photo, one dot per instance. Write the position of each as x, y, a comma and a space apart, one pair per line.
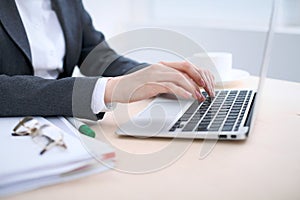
81, 127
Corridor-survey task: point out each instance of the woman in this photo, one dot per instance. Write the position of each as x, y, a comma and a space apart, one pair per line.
42, 41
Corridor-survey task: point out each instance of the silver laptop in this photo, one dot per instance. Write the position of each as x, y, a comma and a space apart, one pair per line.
227, 116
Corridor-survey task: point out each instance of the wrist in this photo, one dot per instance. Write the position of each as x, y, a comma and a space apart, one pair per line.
109, 90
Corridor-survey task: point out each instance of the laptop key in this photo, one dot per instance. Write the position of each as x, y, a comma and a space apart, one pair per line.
213, 129
172, 129
189, 126
227, 128
202, 128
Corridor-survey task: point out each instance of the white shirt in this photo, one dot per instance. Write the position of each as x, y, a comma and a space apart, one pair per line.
47, 45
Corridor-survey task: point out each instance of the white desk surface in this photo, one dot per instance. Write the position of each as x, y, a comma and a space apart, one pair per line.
265, 166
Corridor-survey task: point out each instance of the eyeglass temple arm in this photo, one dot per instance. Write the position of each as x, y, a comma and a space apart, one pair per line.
22, 122
60, 143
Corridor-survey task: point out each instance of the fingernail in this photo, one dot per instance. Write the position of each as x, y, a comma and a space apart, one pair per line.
212, 92
202, 83
199, 96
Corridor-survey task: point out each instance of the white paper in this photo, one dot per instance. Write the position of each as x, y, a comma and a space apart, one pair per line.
23, 168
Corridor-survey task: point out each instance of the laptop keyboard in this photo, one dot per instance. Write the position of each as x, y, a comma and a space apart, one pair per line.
224, 112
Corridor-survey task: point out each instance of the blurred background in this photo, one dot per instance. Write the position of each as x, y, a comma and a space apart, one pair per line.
236, 26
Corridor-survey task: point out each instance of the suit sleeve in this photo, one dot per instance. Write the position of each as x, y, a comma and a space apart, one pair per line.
97, 58
34, 96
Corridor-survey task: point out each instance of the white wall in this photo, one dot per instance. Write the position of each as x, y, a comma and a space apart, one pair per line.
219, 25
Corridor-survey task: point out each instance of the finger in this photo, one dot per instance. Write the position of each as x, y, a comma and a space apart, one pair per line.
209, 87
187, 68
212, 81
183, 81
197, 94
209, 83
202, 97
191, 80
206, 80
169, 87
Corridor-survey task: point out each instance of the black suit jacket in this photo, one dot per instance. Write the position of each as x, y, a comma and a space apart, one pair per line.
23, 94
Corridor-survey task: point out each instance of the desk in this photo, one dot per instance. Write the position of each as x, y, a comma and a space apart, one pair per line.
265, 166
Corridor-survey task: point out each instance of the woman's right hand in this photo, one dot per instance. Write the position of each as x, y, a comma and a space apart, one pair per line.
179, 78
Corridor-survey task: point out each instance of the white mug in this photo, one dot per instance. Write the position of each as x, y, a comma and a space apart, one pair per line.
219, 63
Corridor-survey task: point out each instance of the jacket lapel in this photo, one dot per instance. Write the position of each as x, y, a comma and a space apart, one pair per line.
11, 21
70, 23
68, 18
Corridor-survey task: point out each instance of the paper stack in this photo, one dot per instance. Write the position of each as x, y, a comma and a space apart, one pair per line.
22, 168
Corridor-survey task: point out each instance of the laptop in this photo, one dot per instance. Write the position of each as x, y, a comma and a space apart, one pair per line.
227, 116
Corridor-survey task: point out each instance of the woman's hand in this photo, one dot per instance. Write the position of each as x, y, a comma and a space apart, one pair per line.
178, 78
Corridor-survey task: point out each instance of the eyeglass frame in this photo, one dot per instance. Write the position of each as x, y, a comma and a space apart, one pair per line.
37, 131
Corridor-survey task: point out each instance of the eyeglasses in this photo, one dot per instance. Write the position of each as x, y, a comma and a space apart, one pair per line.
43, 135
